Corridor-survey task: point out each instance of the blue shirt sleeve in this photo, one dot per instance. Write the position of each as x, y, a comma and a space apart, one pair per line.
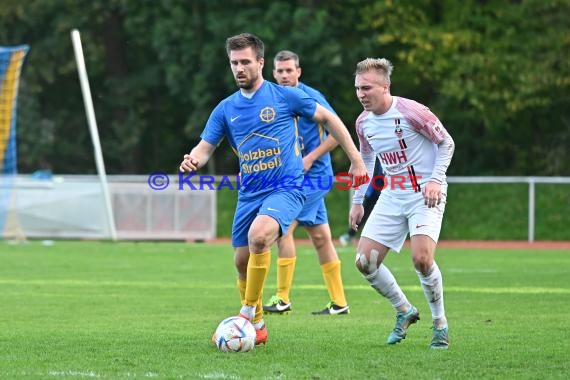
215, 129
319, 97
300, 102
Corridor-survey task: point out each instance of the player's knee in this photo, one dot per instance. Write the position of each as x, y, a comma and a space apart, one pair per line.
361, 263
320, 236
258, 242
262, 234
367, 263
319, 240
423, 261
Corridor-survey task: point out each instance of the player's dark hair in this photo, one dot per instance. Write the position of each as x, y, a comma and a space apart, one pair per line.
243, 41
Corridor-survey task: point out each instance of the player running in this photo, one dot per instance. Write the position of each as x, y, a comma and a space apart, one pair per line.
259, 122
411, 143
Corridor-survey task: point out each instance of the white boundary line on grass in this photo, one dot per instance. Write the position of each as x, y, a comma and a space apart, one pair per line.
174, 285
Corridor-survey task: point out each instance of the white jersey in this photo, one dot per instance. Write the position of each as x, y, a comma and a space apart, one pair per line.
406, 139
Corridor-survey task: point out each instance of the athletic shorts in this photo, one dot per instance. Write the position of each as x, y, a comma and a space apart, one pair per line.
314, 211
394, 217
282, 205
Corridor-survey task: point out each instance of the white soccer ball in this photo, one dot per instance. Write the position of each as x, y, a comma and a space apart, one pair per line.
235, 334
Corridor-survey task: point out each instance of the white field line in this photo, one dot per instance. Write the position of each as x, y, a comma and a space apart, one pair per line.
73, 373
217, 375
174, 285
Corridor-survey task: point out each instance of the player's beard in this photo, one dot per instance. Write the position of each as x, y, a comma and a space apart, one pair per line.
247, 84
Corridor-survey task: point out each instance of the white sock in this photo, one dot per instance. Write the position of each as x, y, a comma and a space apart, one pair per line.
248, 312
432, 285
259, 325
385, 284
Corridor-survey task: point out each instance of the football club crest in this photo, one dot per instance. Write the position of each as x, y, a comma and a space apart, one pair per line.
398, 130
267, 114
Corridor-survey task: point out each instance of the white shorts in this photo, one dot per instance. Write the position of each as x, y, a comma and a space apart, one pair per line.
393, 218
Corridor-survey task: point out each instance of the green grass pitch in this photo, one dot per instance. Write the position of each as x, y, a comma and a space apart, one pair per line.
77, 310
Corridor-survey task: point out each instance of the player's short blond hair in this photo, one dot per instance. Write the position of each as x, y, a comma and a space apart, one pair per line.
381, 65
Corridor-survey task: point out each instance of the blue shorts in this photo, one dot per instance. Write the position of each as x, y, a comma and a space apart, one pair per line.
281, 205
314, 211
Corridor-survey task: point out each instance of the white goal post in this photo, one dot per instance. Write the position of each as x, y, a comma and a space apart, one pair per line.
88, 101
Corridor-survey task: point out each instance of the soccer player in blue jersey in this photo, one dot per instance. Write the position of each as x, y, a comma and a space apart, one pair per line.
259, 121
316, 144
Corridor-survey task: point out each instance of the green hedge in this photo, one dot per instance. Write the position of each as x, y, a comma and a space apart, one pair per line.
473, 212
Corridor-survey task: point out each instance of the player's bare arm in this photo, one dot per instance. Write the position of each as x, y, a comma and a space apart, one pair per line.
198, 157
336, 127
326, 146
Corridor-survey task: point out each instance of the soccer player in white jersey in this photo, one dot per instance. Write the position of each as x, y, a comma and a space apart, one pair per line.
415, 151
259, 122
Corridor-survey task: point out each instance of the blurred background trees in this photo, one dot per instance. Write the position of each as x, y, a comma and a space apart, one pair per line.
497, 73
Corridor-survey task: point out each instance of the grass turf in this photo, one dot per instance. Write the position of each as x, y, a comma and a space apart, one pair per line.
147, 310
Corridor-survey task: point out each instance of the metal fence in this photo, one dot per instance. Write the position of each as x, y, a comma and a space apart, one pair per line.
72, 206
531, 181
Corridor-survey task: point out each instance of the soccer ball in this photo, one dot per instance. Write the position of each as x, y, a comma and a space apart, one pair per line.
235, 334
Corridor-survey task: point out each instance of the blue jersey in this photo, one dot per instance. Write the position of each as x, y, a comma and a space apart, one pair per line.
311, 135
263, 133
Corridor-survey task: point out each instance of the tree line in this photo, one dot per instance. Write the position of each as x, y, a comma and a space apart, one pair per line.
497, 73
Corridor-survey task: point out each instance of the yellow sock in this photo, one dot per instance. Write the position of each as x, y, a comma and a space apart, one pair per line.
241, 287
257, 268
333, 280
258, 310
285, 270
